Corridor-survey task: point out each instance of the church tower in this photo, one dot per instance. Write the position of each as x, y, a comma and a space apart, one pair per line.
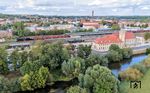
122, 34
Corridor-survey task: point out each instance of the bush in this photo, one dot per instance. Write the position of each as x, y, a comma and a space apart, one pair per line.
127, 53
116, 54
148, 51
76, 89
130, 74
140, 67
136, 71
146, 63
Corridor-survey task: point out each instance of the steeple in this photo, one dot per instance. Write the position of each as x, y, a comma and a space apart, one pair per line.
122, 33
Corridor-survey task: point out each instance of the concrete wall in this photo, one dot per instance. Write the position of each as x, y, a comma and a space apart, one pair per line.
139, 51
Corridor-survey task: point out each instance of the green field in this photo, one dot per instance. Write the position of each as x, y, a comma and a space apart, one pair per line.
145, 85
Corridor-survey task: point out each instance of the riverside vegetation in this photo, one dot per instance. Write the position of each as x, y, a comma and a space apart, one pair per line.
45, 64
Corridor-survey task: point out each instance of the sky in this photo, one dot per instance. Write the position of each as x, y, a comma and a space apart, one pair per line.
76, 7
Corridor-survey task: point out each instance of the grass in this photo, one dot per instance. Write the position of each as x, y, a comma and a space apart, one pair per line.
145, 85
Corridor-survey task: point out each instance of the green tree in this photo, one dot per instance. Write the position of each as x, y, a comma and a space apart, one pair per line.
35, 79
95, 80
4, 85
83, 51
15, 85
115, 27
18, 58
115, 53
76, 89
73, 67
148, 51
26, 68
53, 55
30, 66
43, 76
96, 59
3, 60
114, 56
24, 56
114, 47
19, 29
14, 57
36, 52
39, 78
5, 26
144, 26
25, 82
71, 49
127, 53
146, 36
103, 22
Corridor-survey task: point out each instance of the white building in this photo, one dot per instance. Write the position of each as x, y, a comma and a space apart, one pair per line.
123, 39
91, 25
61, 27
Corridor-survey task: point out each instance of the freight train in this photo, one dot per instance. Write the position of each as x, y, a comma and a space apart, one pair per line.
42, 37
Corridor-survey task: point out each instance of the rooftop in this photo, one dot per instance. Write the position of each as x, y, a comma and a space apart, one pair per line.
113, 38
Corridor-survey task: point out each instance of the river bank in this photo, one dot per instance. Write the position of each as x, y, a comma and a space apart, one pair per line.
123, 65
61, 86
145, 86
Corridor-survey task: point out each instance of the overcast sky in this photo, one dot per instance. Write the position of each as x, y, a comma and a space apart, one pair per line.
76, 7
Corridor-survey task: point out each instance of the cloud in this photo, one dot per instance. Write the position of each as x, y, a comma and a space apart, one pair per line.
145, 8
76, 7
114, 10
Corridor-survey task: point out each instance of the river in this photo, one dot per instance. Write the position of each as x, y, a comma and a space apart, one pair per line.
121, 66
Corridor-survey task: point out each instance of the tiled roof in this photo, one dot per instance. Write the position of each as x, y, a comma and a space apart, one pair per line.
129, 35
113, 38
108, 39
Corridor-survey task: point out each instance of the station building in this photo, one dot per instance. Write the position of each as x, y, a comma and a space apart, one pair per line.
122, 38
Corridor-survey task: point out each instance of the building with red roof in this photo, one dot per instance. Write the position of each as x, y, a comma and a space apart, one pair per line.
90, 25
123, 39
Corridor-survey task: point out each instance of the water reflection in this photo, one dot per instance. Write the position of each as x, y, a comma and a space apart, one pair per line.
117, 67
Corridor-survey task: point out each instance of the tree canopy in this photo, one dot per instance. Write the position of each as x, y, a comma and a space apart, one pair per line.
95, 80
3, 60
73, 67
83, 51
76, 89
